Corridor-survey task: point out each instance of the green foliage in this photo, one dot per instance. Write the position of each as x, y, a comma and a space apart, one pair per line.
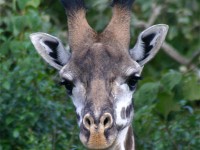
191, 93
35, 112
168, 112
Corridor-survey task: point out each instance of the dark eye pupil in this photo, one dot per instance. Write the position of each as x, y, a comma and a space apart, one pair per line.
132, 81
68, 85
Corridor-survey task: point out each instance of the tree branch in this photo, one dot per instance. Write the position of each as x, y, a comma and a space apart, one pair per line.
167, 48
172, 52
194, 57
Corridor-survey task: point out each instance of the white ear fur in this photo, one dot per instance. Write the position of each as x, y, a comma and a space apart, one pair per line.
149, 43
51, 49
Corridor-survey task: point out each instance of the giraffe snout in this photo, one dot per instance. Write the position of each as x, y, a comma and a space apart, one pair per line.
98, 129
105, 121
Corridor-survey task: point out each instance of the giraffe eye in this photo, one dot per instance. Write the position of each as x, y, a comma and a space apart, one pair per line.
69, 85
132, 81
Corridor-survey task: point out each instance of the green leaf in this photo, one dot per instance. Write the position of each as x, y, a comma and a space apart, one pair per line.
34, 3
171, 79
15, 133
6, 85
22, 3
9, 120
191, 88
147, 93
173, 32
184, 20
166, 104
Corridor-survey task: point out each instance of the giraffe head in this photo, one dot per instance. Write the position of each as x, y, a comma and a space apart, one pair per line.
101, 72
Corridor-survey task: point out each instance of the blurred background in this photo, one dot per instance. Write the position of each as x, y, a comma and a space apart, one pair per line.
35, 112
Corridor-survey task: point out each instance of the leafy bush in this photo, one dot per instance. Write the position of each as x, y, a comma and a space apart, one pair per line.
35, 112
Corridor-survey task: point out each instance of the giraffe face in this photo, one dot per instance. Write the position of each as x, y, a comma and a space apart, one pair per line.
102, 84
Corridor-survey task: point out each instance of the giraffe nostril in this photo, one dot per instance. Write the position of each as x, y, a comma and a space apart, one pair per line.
88, 121
106, 120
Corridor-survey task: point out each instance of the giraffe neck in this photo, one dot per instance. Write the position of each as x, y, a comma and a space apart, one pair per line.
125, 140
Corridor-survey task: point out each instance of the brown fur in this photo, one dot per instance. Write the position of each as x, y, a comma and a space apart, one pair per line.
97, 138
117, 33
79, 29
118, 29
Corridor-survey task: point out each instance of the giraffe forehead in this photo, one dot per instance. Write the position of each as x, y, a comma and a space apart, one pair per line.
99, 61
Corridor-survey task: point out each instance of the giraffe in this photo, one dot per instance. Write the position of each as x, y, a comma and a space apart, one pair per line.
100, 72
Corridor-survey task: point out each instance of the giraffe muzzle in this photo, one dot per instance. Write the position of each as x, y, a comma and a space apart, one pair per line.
98, 131
105, 121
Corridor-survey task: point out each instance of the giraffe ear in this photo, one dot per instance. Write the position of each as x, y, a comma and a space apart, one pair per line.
149, 43
51, 49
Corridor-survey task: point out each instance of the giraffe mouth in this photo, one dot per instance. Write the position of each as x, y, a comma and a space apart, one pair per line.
98, 138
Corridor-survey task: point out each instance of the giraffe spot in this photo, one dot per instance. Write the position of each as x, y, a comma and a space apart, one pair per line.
123, 113
129, 109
